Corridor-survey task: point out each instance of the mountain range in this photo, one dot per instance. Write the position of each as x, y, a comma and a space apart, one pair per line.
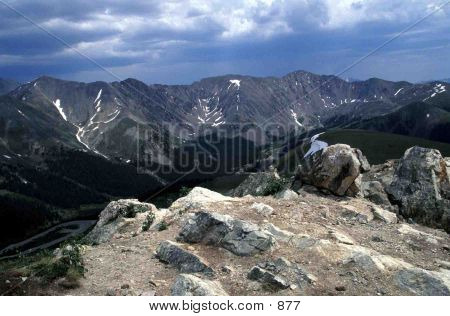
68, 144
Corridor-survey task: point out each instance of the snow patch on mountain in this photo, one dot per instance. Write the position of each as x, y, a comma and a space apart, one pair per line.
398, 91
294, 115
235, 82
58, 106
21, 113
98, 95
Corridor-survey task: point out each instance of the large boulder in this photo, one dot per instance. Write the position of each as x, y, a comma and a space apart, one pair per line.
259, 184
116, 216
190, 285
174, 254
240, 237
337, 168
421, 187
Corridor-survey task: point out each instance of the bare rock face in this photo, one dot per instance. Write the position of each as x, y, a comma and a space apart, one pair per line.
240, 237
337, 168
190, 285
421, 187
182, 259
287, 194
115, 216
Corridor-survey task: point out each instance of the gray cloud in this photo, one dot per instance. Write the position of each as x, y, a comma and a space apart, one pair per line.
176, 37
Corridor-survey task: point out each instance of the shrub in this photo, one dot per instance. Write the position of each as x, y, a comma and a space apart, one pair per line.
274, 186
149, 219
163, 225
68, 263
184, 191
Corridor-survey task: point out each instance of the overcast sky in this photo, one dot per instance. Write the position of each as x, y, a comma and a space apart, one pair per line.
175, 41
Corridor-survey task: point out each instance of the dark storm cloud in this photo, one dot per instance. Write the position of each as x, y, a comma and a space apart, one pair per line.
180, 41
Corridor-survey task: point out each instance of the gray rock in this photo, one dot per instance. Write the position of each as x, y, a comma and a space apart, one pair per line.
114, 217
374, 192
336, 168
259, 184
383, 173
421, 187
286, 194
420, 282
262, 209
341, 237
182, 259
263, 276
190, 285
383, 215
240, 237
280, 274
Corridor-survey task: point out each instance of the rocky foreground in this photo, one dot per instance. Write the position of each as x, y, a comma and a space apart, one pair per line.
336, 229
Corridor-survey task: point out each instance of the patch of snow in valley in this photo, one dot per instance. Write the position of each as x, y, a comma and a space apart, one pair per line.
58, 106
398, 91
116, 113
7, 157
21, 113
294, 115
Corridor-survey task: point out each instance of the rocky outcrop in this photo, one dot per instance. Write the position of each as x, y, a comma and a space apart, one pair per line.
240, 237
259, 184
183, 260
117, 215
198, 197
337, 168
421, 187
190, 285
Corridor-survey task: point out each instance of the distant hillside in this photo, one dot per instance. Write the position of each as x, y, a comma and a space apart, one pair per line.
417, 119
376, 146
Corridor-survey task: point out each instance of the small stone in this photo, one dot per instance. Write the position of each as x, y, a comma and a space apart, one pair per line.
340, 288
446, 247
110, 292
227, 269
148, 293
377, 239
293, 286
125, 286
7, 281
262, 209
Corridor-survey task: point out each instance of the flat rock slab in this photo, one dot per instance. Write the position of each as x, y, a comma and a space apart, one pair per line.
183, 260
